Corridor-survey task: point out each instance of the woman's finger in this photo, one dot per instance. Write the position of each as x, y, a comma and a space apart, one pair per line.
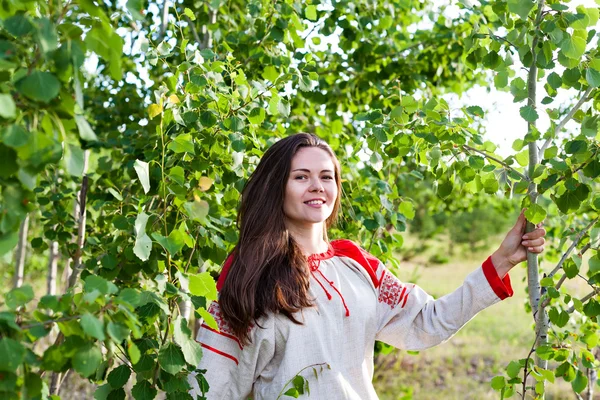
538, 233
534, 242
537, 249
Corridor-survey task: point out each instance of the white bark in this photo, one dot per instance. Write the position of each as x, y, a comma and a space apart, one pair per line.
52, 269
21, 252
81, 220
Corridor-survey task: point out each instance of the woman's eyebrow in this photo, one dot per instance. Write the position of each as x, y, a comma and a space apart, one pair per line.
308, 170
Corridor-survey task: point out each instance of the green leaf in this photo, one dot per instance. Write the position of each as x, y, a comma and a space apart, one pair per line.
85, 130
46, 35
18, 297
143, 243
119, 376
18, 25
74, 157
476, 162
182, 144
143, 390
39, 86
594, 264
270, 73
133, 352
197, 210
203, 285
92, 326
535, 214
173, 243
305, 83
141, 168
445, 188
117, 331
520, 7
7, 106
592, 77
190, 14
580, 382
528, 113
573, 46
575, 147
554, 80
475, 111
171, 359
208, 119
571, 268
498, 382
182, 335
94, 282
207, 318
283, 107
136, 8
257, 116
407, 209
15, 136
13, 354
558, 318
513, 369
86, 360
310, 12
592, 308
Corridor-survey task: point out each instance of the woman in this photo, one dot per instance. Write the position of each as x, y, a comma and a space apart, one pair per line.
290, 299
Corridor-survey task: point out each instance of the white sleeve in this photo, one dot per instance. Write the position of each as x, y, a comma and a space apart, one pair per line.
231, 369
410, 319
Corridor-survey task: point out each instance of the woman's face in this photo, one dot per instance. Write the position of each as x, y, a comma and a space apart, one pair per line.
311, 189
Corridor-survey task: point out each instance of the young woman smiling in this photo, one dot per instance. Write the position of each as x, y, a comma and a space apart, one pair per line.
289, 298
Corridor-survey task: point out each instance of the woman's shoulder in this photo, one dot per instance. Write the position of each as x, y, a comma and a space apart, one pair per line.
348, 248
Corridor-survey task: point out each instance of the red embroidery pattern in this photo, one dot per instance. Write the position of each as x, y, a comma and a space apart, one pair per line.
215, 311
391, 291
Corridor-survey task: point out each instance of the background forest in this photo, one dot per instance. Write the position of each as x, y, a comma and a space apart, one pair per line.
128, 128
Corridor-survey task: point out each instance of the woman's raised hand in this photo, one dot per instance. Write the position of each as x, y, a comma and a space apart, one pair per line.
515, 245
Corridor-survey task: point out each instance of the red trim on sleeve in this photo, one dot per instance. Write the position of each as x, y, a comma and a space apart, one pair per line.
219, 352
347, 248
501, 287
224, 271
227, 335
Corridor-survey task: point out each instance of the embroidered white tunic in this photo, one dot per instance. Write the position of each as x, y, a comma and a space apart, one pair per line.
357, 301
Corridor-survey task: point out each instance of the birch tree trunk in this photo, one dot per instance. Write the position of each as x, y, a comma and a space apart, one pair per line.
52, 269
81, 220
533, 279
21, 252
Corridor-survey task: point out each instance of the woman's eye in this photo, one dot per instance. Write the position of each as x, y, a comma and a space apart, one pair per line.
328, 177
300, 177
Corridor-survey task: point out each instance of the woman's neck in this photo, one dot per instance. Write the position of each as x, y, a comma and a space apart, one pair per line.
309, 238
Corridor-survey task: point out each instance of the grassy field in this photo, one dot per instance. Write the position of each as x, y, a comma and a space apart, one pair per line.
462, 367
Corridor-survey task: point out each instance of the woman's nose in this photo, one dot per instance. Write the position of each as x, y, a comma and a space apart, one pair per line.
316, 186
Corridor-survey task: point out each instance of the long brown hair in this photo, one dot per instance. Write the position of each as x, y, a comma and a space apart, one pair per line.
269, 273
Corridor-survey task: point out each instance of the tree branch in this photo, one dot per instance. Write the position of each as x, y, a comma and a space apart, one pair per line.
505, 165
566, 119
585, 298
578, 238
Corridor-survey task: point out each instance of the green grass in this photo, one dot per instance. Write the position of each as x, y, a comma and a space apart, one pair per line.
462, 367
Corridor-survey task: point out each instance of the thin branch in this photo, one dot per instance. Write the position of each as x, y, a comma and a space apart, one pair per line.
578, 238
50, 322
193, 29
585, 299
566, 119
505, 165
